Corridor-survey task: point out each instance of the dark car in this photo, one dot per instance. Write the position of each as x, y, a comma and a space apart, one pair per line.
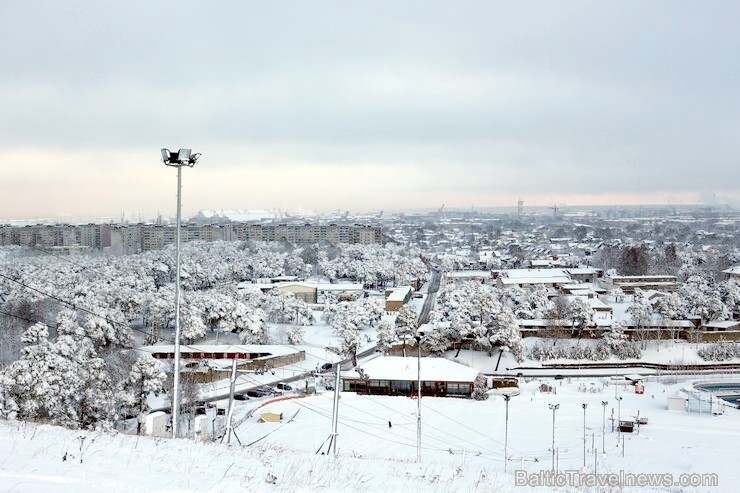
559, 377
284, 386
240, 397
326, 366
255, 393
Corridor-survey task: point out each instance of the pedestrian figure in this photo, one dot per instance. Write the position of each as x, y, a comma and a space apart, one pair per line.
390, 425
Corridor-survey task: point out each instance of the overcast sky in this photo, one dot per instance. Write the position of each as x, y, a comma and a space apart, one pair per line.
366, 105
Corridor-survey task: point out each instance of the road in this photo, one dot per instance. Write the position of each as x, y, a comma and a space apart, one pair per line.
426, 310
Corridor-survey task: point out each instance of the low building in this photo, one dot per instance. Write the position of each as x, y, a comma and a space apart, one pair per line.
339, 290
628, 284
529, 278
303, 291
219, 357
396, 375
481, 276
397, 298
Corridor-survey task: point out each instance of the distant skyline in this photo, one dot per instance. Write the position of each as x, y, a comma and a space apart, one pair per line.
361, 106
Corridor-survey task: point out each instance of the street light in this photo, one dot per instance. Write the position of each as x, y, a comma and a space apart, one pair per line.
419, 335
619, 415
507, 398
584, 405
183, 157
554, 408
603, 426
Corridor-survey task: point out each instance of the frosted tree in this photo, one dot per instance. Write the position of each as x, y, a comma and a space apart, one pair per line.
641, 312
192, 325
581, 314
147, 376
350, 336
253, 329
386, 334
437, 341
671, 308
406, 323
616, 342
296, 335
503, 333
729, 291
64, 382
617, 294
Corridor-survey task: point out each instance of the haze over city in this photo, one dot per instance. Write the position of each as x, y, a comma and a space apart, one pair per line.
366, 106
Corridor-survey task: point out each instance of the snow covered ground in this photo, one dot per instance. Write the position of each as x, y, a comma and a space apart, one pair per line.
462, 446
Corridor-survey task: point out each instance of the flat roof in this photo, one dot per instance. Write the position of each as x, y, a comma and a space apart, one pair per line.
261, 350
399, 294
400, 368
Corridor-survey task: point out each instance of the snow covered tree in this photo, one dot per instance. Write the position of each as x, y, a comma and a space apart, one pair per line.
671, 308
641, 312
192, 325
480, 388
147, 377
616, 342
407, 322
437, 341
296, 335
64, 382
252, 328
386, 334
350, 335
617, 294
581, 314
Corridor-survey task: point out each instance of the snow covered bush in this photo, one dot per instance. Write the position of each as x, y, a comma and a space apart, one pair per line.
719, 351
616, 342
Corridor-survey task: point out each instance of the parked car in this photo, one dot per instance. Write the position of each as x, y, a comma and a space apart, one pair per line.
240, 397
284, 386
256, 393
327, 366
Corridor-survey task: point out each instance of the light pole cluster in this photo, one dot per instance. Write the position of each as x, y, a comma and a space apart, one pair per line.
183, 157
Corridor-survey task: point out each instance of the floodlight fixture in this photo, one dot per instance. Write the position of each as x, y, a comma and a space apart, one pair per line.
183, 155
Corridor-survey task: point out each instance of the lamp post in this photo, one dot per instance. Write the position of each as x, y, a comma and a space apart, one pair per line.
584, 405
619, 415
418, 338
183, 157
603, 426
554, 408
507, 398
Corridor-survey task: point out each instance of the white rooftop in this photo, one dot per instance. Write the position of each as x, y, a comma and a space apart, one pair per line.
340, 286
400, 368
399, 294
271, 349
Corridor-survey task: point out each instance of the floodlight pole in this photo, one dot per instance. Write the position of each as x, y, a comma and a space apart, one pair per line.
603, 426
554, 408
418, 337
507, 397
182, 158
584, 405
